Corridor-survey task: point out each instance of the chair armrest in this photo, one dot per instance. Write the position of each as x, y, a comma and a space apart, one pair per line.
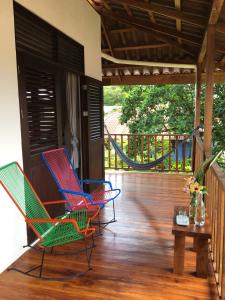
86, 232
96, 181
85, 205
55, 221
85, 195
80, 206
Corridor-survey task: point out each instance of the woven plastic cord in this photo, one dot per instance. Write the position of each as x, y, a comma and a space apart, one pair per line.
23, 195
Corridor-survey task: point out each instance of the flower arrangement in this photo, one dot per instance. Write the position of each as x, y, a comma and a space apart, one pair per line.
193, 187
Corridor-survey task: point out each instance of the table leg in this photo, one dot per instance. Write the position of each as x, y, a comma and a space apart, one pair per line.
202, 257
179, 249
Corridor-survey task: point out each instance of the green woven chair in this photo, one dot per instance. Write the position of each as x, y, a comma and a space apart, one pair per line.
50, 232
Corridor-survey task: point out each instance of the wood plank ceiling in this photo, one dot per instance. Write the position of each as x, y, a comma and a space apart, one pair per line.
168, 31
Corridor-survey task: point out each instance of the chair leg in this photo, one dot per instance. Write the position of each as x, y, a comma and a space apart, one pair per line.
88, 250
42, 263
104, 224
89, 253
54, 253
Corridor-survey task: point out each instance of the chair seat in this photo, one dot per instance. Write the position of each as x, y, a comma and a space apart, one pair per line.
62, 233
102, 197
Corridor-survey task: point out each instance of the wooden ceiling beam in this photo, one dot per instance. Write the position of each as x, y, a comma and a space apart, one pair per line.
220, 27
213, 19
137, 47
220, 47
219, 77
152, 27
178, 22
144, 26
165, 11
108, 39
122, 30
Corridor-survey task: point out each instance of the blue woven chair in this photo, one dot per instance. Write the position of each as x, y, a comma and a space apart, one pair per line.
70, 185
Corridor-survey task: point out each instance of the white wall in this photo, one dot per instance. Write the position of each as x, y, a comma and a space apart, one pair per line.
12, 225
78, 20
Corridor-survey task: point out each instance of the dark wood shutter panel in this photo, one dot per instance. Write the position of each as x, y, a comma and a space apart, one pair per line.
41, 110
70, 53
34, 35
95, 111
92, 130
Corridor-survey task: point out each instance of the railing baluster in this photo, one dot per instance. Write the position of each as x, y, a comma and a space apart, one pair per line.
169, 167
148, 147
222, 287
128, 145
162, 141
176, 147
155, 148
109, 153
121, 142
115, 138
142, 149
135, 149
183, 156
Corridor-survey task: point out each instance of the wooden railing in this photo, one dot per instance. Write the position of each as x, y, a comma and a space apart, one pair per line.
215, 208
215, 182
145, 148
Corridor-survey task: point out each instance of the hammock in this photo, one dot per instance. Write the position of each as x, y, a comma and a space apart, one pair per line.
145, 166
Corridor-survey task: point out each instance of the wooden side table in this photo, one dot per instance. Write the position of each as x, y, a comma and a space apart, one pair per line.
201, 236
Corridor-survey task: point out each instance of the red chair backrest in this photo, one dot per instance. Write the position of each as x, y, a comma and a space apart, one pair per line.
62, 171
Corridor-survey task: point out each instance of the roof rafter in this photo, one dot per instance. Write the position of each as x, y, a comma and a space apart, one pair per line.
213, 19
138, 47
153, 27
156, 33
178, 22
108, 39
165, 11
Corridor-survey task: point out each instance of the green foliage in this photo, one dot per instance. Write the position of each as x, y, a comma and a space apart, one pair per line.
158, 108
219, 118
113, 95
205, 166
155, 109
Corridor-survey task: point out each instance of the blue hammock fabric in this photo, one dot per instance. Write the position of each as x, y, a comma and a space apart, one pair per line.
143, 166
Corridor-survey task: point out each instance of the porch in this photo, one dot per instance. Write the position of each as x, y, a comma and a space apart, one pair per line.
133, 258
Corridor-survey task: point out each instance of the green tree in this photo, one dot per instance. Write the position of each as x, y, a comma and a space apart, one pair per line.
158, 108
113, 95
219, 118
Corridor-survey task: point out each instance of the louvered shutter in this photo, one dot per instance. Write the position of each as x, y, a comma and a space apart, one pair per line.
70, 53
95, 111
33, 35
92, 129
41, 110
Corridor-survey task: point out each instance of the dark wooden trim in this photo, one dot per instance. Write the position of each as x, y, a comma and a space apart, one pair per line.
219, 77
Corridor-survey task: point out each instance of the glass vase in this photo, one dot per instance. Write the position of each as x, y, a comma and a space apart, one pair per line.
192, 208
199, 218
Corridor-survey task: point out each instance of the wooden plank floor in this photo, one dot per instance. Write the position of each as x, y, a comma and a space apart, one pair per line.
134, 257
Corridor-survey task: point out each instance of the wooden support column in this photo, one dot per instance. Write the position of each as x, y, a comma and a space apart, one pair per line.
208, 108
198, 94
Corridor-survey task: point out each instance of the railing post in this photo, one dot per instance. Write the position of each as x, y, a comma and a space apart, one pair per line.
208, 108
